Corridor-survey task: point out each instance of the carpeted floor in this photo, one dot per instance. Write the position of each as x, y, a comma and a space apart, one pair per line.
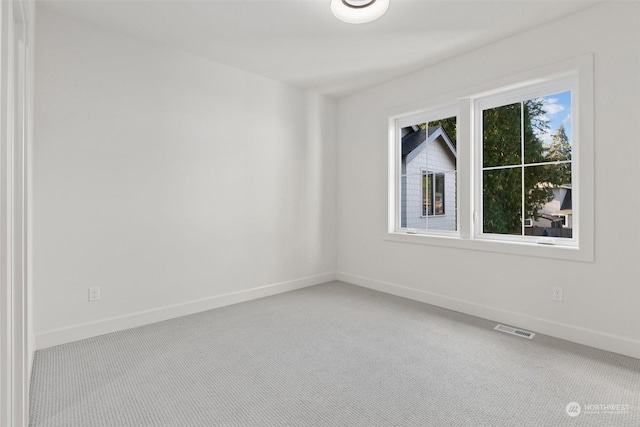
330, 355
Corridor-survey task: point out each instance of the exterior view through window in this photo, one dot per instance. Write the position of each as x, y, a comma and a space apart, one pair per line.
512, 164
526, 167
428, 175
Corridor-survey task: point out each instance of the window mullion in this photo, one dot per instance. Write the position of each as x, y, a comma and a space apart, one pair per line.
429, 179
466, 170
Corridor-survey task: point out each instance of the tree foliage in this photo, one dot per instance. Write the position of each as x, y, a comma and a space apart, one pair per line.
510, 139
449, 125
560, 150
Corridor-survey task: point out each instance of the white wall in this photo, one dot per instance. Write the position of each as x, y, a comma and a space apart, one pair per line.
601, 298
166, 179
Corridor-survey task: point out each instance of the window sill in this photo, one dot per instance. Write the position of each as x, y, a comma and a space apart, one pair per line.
568, 253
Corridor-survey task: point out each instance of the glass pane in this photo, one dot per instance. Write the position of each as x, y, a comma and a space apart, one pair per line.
548, 201
413, 164
411, 202
442, 164
444, 202
501, 135
429, 157
547, 130
502, 201
413, 149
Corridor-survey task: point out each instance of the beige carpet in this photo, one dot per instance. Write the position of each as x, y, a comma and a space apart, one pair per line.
330, 355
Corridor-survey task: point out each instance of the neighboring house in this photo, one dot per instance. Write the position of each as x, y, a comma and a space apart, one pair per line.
555, 218
428, 193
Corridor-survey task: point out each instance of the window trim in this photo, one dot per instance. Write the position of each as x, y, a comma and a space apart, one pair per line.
463, 100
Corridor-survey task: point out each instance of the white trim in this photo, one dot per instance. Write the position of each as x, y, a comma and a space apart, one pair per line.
16, 108
565, 331
540, 250
127, 321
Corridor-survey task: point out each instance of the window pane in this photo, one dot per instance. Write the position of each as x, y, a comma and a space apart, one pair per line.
502, 201
442, 167
547, 131
501, 135
428, 180
548, 200
411, 202
413, 146
413, 163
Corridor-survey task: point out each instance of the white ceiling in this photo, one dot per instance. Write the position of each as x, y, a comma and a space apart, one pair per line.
301, 43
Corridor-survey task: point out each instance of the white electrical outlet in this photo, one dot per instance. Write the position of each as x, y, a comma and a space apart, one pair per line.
94, 294
556, 293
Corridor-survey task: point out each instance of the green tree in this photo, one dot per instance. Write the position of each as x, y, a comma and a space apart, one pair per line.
510, 139
560, 150
449, 125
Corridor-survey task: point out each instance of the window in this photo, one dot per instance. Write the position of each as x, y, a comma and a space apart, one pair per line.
563, 220
432, 195
508, 169
427, 162
525, 155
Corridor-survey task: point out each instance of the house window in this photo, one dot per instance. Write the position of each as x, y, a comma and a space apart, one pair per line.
433, 194
563, 220
502, 165
525, 142
427, 162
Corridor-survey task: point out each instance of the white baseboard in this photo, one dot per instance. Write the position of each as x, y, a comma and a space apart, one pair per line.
119, 323
589, 337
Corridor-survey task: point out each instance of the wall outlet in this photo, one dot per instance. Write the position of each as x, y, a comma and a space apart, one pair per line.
94, 294
556, 293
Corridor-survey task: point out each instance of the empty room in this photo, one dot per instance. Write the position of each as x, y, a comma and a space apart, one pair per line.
319, 213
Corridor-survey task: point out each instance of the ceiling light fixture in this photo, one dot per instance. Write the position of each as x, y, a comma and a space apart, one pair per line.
358, 11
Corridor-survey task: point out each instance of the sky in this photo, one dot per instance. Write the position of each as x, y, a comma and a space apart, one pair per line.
558, 110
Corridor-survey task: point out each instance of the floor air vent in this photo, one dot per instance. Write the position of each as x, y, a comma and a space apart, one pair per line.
514, 331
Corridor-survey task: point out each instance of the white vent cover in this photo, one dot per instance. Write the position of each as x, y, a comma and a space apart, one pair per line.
514, 331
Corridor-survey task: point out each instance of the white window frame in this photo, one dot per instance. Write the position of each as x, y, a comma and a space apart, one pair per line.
551, 86
463, 100
398, 123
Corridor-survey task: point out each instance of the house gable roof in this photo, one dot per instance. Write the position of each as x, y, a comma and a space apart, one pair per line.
567, 202
411, 142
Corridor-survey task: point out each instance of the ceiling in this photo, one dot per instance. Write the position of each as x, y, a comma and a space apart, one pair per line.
301, 43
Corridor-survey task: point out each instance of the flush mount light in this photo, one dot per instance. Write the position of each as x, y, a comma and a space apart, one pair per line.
358, 11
